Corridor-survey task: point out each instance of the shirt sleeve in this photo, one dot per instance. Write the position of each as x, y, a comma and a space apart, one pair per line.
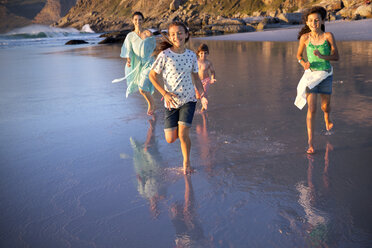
158, 65
126, 48
195, 67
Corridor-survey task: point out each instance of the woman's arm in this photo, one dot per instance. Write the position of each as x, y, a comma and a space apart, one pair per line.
126, 49
301, 47
334, 51
128, 61
168, 97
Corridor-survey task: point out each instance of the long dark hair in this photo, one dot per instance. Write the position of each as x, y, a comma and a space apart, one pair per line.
139, 14
166, 43
318, 10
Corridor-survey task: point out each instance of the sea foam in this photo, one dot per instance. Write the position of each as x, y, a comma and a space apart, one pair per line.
41, 31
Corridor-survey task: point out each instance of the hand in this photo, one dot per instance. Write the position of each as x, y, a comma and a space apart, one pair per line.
317, 53
128, 62
146, 34
169, 101
213, 81
306, 65
204, 102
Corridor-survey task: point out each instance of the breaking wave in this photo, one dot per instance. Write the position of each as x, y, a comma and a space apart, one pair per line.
40, 31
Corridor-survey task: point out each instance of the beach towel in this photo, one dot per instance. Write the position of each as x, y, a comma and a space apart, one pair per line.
310, 79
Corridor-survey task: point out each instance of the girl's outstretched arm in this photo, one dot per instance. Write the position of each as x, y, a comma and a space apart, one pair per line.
168, 97
199, 86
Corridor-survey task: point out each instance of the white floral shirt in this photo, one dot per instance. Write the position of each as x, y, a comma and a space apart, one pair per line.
176, 70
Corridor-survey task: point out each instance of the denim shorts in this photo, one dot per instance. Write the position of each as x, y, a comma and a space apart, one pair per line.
324, 87
179, 116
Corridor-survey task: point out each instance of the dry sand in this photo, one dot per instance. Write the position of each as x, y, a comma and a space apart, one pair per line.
343, 31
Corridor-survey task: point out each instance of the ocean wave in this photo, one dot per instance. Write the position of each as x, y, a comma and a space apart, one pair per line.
40, 31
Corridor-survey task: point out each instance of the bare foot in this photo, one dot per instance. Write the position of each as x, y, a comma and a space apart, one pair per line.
187, 170
150, 110
329, 126
310, 150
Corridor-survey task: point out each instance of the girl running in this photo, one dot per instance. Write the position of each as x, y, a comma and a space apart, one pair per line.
320, 49
179, 69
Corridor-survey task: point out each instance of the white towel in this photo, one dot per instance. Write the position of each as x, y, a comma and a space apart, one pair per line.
310, 79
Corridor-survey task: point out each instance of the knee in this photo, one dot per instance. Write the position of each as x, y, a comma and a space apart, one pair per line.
325, 107
170, 139
311, 111
141, 91
171, 136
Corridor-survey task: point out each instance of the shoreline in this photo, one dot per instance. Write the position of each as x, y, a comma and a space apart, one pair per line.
343, 30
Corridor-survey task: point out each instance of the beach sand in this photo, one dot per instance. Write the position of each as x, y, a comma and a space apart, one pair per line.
83, 166
343, 31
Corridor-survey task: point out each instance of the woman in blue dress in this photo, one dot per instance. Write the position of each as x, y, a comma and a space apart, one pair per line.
137, 50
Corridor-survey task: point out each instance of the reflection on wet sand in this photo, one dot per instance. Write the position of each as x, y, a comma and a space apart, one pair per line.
63, 182
315, 226
152, 185
189, 231
149, 173
204, 143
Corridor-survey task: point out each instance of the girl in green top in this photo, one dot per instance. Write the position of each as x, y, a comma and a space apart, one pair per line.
320, 48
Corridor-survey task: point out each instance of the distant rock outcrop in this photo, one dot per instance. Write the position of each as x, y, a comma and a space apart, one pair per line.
53, 11
114, 37
76, 42
17, 21
15, 14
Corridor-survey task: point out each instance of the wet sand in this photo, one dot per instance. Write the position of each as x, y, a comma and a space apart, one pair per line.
82, 166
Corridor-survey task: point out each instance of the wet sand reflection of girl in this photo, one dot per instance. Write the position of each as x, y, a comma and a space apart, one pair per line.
189, 231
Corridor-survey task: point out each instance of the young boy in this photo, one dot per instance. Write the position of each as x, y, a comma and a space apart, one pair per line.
206, 70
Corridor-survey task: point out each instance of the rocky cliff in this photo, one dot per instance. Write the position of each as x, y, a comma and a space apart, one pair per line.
19, 13
203, 16
53, 11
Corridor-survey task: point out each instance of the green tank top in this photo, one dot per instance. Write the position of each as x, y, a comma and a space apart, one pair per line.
316, 63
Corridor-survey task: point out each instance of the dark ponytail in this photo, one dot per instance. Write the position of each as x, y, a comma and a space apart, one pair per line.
318, 10
163, 45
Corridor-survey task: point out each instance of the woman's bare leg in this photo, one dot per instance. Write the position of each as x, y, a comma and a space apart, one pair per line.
310, 118
326, 107
150, 101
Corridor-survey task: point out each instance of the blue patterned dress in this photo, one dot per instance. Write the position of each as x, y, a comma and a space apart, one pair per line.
139, 51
